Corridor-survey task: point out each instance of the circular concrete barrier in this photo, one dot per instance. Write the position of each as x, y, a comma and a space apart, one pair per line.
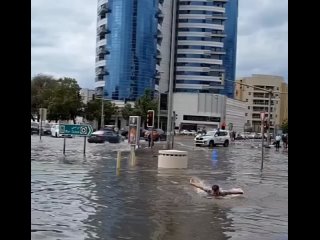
172, 159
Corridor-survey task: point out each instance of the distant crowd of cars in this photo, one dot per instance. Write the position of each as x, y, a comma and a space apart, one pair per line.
109, 134
113, 135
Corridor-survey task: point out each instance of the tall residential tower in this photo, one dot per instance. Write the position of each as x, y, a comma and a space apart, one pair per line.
128, 32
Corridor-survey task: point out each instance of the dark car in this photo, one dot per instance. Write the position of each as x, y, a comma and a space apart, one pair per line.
34, 128
124, 132
102, 136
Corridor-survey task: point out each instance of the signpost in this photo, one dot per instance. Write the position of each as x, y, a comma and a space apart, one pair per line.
134, 135
77, 130
43, 117
262, 117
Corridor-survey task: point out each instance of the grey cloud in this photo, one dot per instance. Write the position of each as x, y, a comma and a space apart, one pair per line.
62, 39
262, 38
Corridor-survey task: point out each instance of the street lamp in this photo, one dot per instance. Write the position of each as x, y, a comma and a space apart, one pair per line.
102, 110
171, 76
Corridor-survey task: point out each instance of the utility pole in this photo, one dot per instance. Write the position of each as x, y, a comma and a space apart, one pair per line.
102, 109
269, 116
171, 77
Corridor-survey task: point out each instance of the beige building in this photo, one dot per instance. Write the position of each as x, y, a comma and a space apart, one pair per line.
258, 100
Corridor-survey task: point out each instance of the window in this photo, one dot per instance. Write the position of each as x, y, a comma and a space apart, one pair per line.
247, 100
246, 114
248, 107
249, 93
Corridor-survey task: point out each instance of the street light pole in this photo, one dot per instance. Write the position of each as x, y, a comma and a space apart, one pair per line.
102, 110
171, 77
159, 99
269, 116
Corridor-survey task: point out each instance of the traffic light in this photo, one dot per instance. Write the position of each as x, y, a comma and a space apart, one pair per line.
150, 118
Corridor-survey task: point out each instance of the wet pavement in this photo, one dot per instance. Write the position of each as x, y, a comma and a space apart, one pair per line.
77, 197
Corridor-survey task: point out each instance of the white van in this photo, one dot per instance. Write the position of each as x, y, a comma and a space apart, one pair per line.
55, 131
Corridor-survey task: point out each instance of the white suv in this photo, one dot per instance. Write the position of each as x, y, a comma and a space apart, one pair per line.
212, 138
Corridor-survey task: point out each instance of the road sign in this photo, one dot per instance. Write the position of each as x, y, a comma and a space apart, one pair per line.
76, 129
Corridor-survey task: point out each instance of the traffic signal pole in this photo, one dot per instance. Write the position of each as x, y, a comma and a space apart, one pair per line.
150, 123
269, 116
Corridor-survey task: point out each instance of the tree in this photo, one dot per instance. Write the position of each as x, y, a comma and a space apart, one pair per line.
145, 103
41, 91
65, 100
92, 110
284, 126
127, 111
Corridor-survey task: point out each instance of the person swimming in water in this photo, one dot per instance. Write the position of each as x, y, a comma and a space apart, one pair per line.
217, 192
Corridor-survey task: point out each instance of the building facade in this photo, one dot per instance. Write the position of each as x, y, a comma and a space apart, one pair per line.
236, 114
128, 32
258, 100
195, 111
87, 95
199, 46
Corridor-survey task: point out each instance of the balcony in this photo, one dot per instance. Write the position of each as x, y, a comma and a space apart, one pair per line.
216, 69
159, 14
102, 51
101, 72
217, 16
213, 52
103, 30
103, 9
100, 58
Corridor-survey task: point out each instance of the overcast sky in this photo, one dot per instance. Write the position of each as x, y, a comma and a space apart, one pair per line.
63, 38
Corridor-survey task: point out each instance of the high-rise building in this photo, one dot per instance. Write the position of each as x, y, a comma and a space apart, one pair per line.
200, 46
128, 51
258, 100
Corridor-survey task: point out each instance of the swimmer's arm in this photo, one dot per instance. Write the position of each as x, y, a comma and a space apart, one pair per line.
206, 190
224, 193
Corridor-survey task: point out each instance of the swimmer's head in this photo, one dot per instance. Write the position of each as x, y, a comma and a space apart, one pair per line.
215, 188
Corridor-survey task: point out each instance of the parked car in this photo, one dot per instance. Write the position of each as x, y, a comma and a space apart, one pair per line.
212, 138
102, 136
187, 132
34, 128
124, 132
46, 129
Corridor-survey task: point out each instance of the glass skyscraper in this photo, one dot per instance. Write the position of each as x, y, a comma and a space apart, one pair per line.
230, 44
127, 38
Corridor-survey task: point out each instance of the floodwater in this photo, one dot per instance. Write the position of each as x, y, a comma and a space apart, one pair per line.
77, 197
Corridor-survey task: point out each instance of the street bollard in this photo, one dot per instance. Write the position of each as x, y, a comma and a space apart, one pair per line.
118, 160
133, 155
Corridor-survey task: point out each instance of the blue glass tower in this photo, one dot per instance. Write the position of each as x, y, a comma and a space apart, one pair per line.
128, 48
230, 45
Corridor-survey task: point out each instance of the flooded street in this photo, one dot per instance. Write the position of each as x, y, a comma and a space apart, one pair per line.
77, 197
